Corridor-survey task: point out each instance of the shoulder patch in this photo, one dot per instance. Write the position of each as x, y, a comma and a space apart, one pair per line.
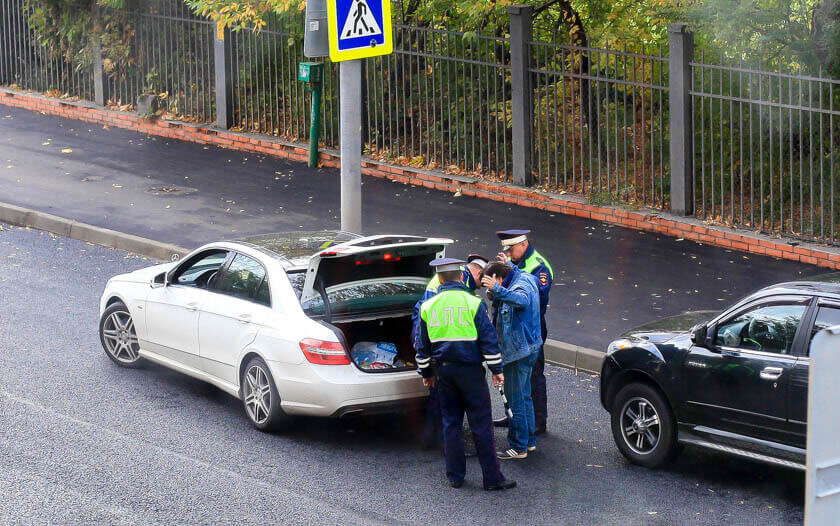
543, 278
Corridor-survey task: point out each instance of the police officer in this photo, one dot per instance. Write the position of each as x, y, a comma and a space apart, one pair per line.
471, 277
520, 252
455, 331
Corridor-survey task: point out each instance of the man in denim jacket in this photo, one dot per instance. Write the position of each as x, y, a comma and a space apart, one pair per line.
516, 315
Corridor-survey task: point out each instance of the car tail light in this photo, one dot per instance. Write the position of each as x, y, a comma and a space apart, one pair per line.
324, 353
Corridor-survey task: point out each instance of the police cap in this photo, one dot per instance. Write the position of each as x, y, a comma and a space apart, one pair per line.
479, 260
446, 264
512, 237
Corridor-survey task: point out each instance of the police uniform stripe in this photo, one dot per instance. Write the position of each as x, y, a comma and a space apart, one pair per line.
422, 360
465, 339
492, 356
423, 365
494, 362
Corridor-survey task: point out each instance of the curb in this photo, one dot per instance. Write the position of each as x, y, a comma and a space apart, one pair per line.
646, 220
26, 217
573, 356
556, 352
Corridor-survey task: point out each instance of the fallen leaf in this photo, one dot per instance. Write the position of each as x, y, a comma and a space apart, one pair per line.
67, 150
117, 185
45, 144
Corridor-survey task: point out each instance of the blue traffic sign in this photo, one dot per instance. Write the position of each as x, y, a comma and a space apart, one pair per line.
359, 28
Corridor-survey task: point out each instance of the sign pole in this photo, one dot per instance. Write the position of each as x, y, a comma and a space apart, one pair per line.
357, 29
350, 116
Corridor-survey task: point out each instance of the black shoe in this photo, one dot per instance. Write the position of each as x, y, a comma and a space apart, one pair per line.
502, 422
456, 483
540, 430
505, 484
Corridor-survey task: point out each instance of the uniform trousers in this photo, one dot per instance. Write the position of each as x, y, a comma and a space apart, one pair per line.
463, 389
538, 389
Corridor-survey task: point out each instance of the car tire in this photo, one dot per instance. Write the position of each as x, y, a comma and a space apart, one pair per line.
118, 337
260, 398
643, 425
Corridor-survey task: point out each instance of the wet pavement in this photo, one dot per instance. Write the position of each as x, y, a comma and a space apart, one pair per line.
608, 279
87, 442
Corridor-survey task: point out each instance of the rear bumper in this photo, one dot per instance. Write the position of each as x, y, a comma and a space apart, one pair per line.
378, 408
344, 390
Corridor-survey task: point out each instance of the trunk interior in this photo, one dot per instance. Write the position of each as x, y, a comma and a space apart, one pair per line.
396, 330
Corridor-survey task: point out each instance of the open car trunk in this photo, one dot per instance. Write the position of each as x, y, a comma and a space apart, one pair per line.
390, 330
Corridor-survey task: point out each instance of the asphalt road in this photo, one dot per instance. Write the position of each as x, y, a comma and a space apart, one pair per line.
85, 441
608, 279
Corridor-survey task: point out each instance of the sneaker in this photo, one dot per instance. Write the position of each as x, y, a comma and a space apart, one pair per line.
532, 448
511, 453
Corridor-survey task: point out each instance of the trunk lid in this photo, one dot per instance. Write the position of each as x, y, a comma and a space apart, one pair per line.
372, 259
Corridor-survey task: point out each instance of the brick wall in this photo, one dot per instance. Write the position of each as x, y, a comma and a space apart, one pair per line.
639, 220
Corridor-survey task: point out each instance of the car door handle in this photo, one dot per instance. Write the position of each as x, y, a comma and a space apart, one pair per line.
191, 306
244, 318
771, 373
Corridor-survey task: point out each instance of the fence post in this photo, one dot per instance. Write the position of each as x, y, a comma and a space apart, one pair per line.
100, 86
681, 44
223, 76
521, 33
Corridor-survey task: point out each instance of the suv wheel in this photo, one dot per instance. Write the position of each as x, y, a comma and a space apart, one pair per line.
260, 398
643, 425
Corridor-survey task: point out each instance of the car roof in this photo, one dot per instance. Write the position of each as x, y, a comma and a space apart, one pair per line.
295, 245
823, 285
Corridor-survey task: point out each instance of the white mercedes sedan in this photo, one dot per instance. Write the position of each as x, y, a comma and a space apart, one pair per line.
304, 323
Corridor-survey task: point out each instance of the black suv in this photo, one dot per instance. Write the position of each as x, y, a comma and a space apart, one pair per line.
737, 382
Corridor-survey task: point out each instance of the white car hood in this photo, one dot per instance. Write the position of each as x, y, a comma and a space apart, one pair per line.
144, 275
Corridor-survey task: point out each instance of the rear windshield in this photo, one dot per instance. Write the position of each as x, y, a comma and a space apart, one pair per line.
361, 297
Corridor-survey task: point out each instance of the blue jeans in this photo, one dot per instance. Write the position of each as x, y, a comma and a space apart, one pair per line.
518, 391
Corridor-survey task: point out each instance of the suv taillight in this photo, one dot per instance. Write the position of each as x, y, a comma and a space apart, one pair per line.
324, 353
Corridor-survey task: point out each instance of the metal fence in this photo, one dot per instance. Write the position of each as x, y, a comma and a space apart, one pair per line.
758, 149
765, 150
441, 100
600, 122
29, 64
169, 52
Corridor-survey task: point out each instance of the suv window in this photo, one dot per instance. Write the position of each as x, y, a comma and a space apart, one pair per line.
768, 328
243, 278
826, 317
201, 269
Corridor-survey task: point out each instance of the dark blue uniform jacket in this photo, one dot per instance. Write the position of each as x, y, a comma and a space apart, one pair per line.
484, 348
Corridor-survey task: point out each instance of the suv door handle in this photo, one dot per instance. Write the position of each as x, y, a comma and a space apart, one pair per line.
771, 373
244, 318
191, 306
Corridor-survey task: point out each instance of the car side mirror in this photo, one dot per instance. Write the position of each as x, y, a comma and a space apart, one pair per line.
161, 280
699, 334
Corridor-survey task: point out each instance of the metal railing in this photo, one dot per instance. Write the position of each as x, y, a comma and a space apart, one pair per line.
171, 55
749, 147
600, 122
267, 96
441, 100
765, 150
30, 64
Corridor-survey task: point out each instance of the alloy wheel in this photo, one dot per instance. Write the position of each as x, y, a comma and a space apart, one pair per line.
257, 392
640, 425
120, 338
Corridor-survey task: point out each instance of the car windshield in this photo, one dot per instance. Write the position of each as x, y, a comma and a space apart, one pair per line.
360, 297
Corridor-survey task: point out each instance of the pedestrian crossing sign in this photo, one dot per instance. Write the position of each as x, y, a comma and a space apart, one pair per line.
359, 28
